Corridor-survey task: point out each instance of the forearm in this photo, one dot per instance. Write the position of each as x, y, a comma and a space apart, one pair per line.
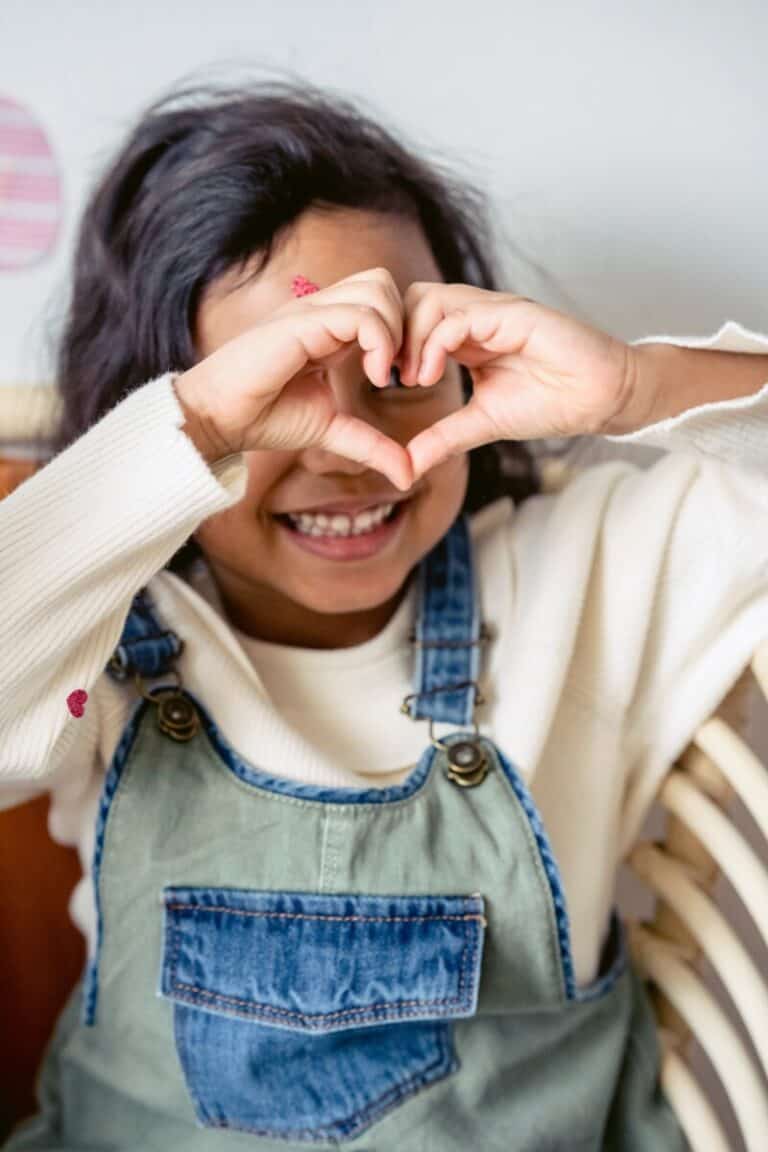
79, 539
669, 380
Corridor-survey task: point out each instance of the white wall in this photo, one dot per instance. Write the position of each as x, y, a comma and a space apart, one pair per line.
624, 143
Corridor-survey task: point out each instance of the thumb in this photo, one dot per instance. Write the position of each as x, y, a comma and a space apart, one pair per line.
467, 428
356, 440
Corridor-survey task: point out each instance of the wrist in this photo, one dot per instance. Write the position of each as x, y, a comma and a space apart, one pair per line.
662, 383
647, 367
669, 379
196, 426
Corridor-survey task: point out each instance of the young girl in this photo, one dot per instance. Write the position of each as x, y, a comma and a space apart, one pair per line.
351, 727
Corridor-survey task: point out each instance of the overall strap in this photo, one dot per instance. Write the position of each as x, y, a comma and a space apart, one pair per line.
447, 637
145, 645
448, 634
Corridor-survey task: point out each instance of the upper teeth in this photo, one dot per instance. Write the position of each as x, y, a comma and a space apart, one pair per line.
340, 524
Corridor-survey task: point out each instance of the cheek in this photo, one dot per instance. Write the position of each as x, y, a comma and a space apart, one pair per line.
441, 500
447, 486
453, 473
264, 471
218, 534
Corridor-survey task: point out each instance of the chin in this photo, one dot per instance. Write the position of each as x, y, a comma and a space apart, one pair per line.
336, 601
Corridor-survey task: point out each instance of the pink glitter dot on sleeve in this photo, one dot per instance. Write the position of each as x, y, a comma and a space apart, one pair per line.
76, 701
303, 287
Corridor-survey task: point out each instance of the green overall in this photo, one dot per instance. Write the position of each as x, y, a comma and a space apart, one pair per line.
282, 965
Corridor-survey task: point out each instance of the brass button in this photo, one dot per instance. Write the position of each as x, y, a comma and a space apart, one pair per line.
177, 716
467, 764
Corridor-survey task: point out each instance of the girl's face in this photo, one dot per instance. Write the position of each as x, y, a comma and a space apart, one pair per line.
275, 583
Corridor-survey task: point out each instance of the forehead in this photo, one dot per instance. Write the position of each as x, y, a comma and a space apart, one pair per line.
324, 246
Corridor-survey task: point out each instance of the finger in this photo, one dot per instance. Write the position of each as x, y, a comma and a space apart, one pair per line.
267, 356
426, 305
324, 332
467, 428
356, 440
500, 321
424, 309
448, 336
380, 276
376, 287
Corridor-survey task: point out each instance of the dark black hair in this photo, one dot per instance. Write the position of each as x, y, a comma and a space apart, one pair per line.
210, 177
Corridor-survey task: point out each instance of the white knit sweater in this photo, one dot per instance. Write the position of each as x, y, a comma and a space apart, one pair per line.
624, 608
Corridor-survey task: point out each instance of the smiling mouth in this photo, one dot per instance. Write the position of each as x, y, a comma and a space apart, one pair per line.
341, 525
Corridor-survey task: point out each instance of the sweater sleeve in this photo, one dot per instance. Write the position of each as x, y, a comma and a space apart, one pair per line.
79, 538
698, 521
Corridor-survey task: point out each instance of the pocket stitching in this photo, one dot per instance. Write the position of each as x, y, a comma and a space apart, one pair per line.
361, 1120
191, 993
318, 915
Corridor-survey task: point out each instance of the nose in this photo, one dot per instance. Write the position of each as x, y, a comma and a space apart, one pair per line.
347, 393
322, 462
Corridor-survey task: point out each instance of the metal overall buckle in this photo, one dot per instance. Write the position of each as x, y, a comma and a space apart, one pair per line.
176, 715
468, 763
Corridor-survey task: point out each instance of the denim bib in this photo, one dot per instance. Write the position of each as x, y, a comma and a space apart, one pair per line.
281, 965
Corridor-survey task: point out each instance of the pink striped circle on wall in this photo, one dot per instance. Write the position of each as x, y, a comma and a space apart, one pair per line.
30, 189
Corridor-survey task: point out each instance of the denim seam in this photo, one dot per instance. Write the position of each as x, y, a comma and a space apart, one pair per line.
396, 1010
109, 801
326, 881
257, 1009
323, 915
610, 979
353, 1125
557, 912
333, 837
448, 611
604, 985
533, 843
474, 942
203, 1115
349, 808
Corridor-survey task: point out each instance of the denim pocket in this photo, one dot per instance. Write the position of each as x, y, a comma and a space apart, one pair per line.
306, 1017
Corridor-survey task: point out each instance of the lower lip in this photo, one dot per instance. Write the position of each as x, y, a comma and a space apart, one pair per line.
349, 547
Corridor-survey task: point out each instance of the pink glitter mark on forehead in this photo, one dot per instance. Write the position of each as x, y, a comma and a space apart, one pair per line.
76, 701
303, 287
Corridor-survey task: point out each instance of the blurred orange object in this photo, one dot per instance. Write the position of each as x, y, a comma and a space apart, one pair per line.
41, 952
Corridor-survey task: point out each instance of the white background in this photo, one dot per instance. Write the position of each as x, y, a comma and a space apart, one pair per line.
624, 144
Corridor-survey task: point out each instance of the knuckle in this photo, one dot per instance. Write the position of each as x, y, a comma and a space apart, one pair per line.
387, 289
414, 291
368, 313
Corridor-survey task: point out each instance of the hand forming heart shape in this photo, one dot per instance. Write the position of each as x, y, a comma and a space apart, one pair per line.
535, 373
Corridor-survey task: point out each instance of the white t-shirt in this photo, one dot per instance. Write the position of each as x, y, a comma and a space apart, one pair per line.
624, 607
